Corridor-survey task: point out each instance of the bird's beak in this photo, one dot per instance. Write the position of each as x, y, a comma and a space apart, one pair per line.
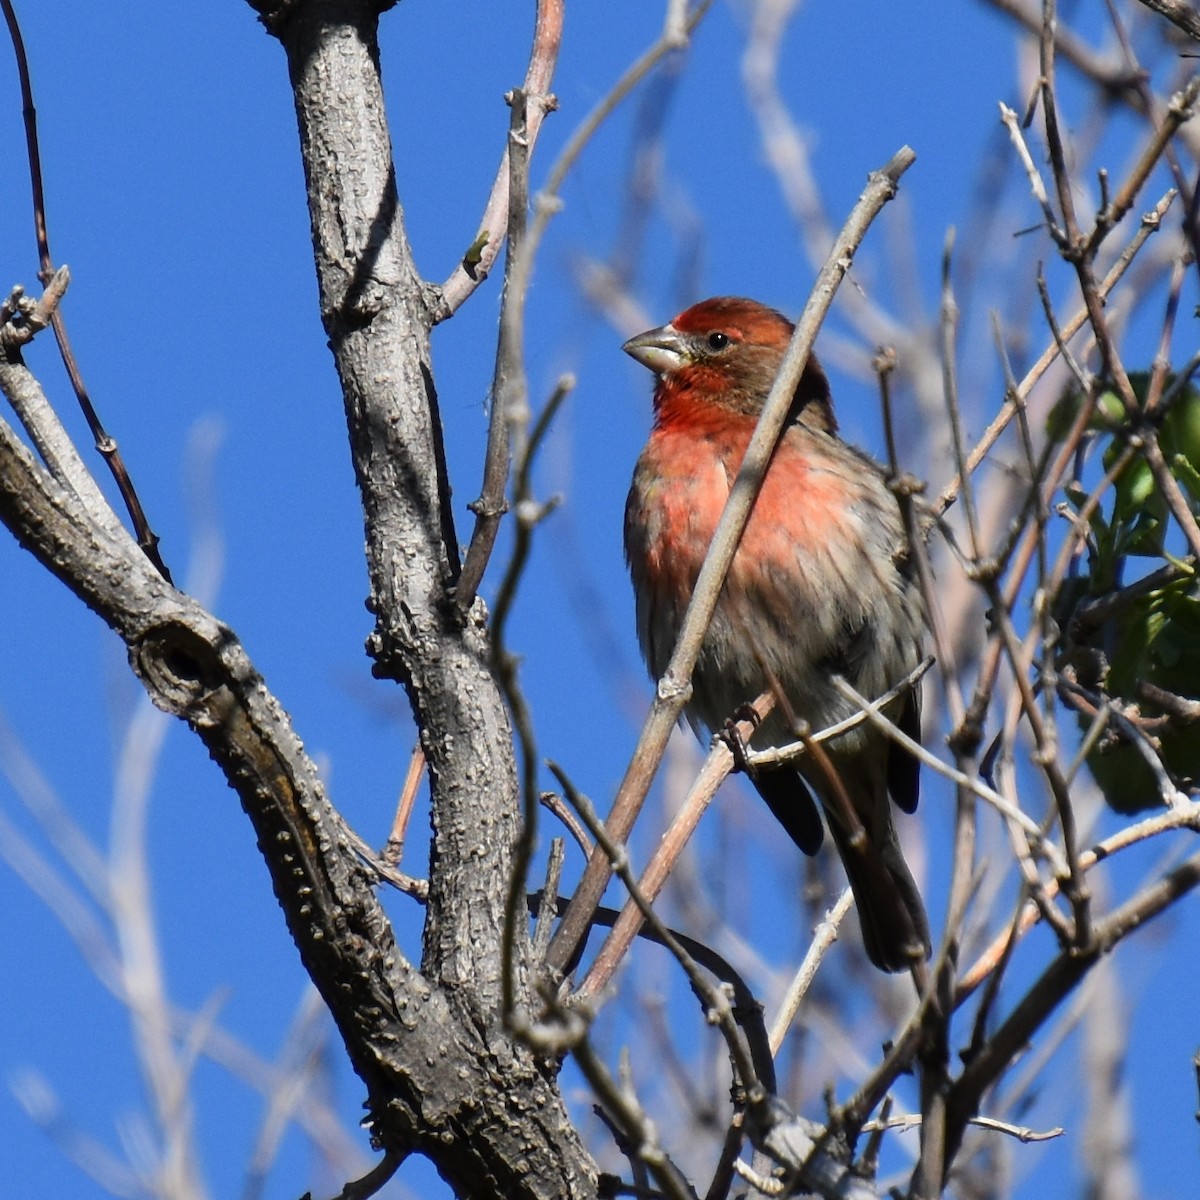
661, 349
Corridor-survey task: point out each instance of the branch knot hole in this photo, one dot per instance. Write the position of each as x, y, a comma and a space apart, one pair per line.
181, 669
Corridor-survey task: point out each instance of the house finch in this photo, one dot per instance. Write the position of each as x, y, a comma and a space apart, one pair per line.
820, 586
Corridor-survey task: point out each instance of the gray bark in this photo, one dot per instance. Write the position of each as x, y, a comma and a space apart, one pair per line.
444, 1077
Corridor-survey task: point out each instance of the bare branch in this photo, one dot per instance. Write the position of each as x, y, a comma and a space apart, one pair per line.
717, 766
824, 936
1182, 16
1063, 974
493, 226
105, 444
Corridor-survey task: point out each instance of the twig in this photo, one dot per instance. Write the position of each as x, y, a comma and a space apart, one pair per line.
1116, 80
1013, 125
1085, 700
639, 1131
547, 907
1181, 15
715, 999
509, 388
1067, 969
374, 1180
552, 802
528, 512
1075, 251
1151, 222
1182, 817
982, 1021
824, 936
510, 399
948, 325
506, 664
1082, 377
973, 784
1020, 1132
418, 889
478, 261
641, 1177
778, 755
747, 1010
105, 444
547, 201
1046, 757
393, 851
1179, 110
1093, 612
716, 767
721, 1184
869, 1159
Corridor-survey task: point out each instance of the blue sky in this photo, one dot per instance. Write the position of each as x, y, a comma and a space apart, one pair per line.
175, 194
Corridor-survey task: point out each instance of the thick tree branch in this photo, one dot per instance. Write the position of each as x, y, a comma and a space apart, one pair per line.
425, 1068
377, 313
427, 1043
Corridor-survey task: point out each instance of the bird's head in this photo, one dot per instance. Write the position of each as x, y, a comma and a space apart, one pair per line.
726, 352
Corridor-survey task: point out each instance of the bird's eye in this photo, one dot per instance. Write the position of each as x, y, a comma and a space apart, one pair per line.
718, 341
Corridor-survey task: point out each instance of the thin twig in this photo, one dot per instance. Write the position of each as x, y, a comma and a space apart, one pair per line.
1059, 978
715, 999
106, 445
1013, 124
483, 251
639, 1131
717, 765
1182, 817
393, 851
552, 802
1151, 222
1179, 110
871, 711
509, 387
375, 1179
1020, 1132
510, 399
824, 936
548, 907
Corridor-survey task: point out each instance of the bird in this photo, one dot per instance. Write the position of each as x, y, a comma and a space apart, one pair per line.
822, 585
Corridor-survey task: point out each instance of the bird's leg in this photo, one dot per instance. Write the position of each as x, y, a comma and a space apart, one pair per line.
733, 737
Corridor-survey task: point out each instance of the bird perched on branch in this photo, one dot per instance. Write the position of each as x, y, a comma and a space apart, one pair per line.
820, 586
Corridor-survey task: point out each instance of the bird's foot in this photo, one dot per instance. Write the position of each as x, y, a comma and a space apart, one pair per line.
732, 736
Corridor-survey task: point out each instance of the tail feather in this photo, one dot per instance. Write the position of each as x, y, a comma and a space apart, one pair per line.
903, 767
792, 805
895, 929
